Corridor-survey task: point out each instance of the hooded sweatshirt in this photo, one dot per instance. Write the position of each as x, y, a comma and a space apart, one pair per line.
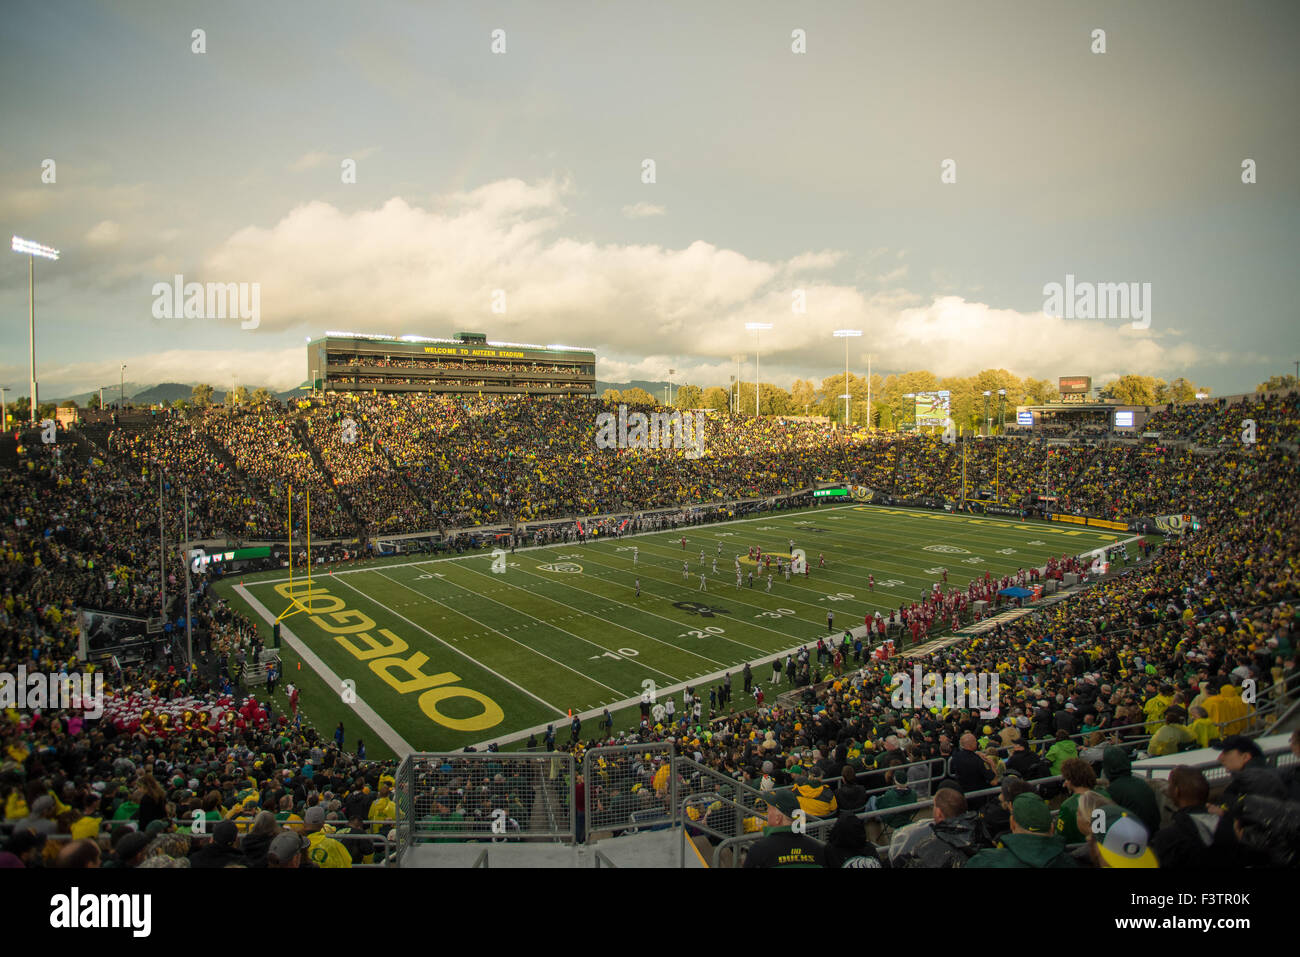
1130, 792
1025, 850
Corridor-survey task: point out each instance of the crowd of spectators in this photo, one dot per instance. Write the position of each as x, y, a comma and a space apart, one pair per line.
1146, 662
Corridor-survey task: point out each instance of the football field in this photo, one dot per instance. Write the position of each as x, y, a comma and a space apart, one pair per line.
439, 654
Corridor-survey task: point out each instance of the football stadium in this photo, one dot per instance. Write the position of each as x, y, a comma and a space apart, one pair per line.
592, 545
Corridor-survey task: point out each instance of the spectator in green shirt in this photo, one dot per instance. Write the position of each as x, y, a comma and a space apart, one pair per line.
1061, 751
897, 796
1080, 778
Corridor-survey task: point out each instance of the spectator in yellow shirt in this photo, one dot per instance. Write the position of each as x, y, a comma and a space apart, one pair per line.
323, 850
1172, 736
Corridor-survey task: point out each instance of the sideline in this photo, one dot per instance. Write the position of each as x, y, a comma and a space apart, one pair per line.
363, 711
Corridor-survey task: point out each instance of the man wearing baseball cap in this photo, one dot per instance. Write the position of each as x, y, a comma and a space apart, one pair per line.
780, 846
322, 849
1244, 760
1118, 838
1031, 842
286, 851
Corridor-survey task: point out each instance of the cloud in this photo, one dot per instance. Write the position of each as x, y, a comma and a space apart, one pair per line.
276, 369
643, 210
309, 161
106, 233
805, 262
404, 269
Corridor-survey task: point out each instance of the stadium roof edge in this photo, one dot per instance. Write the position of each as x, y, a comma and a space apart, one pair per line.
376, 337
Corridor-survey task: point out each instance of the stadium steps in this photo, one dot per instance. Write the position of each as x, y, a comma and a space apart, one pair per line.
222, 455
397, 471
303, 435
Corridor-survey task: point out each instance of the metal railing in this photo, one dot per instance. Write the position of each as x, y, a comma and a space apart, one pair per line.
620, 785
817, 828
383, 849
485, 796
1278, 756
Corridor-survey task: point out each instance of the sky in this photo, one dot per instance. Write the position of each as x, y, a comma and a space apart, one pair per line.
507, 191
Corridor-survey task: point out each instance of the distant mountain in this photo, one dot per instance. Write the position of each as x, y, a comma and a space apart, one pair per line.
163, 392
656, 389
168, 392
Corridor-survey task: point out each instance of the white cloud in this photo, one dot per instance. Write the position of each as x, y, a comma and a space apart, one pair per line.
402, 269
643, 210
276, 369
105, 233
806, 262
309, 161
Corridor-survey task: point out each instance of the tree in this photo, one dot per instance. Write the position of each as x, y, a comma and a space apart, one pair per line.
93, 401
1134, 389
241, 395
1040, 391
202, 395
689, 397
68, 404
1181, 390
1277, 382
716, 398
804, 397
261, 397
610, 395
638, 396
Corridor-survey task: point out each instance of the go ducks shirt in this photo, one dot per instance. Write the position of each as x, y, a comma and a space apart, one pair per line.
780, 847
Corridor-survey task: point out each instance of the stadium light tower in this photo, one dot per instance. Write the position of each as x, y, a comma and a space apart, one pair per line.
757, 327
4, 412
1002, 411
846, 335
31, 250
121, 388
987, 393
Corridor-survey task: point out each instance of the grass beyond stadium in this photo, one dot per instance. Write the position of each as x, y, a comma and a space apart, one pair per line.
446, 653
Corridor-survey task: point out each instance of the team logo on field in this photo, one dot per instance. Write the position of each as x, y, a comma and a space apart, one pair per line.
568, 568
948, 549
695, 608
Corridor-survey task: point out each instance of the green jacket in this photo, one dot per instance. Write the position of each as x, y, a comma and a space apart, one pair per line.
1067, 826
1061, 752
1024, 850
896, 798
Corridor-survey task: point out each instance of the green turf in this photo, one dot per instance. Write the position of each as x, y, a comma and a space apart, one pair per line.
539, 641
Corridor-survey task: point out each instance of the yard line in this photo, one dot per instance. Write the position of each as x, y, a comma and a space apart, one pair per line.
520, 643
378, 563
586, 614
366, 713
676, 624
557, 709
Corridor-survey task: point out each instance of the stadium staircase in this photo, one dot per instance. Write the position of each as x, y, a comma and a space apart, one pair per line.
304, 439
393, 468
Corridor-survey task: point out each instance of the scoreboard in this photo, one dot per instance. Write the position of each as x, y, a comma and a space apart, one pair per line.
1074, 384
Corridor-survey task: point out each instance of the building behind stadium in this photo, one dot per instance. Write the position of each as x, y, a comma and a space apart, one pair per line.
468, 363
